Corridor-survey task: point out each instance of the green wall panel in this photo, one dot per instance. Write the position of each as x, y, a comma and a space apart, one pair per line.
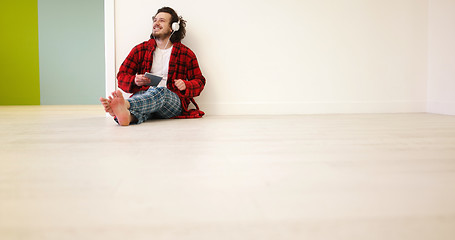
71, 45
19, 65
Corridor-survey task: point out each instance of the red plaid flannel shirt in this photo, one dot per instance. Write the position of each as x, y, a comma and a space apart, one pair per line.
182, 65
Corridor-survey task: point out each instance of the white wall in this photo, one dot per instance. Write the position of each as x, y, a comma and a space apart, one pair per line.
298, 56
441, 84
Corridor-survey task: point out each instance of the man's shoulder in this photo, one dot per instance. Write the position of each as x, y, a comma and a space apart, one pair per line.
184, 49
182, 46
149, 44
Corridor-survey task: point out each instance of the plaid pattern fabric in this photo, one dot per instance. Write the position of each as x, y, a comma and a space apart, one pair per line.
182, 65
155, 103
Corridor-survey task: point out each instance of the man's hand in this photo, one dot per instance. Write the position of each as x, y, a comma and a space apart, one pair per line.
180, 84
141, 80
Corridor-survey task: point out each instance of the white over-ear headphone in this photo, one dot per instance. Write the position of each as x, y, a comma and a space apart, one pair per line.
176, 25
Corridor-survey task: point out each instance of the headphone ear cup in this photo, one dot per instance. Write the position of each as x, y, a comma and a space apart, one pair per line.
176, 26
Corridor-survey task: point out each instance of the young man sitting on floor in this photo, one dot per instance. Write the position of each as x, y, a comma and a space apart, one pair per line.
165, 56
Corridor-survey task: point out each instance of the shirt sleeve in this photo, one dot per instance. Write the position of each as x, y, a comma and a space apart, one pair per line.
129, 68
196, 81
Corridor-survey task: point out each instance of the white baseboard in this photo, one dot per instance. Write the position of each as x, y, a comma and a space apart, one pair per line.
438, 107
274, 108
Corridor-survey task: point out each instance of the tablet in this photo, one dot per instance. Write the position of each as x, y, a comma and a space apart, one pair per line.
155, 80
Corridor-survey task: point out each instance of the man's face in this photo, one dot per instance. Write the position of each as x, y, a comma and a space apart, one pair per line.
162, 25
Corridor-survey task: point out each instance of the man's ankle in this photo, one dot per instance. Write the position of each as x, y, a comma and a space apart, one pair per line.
133, 119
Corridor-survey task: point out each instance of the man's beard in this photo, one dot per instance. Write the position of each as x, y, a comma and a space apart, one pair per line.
161, 36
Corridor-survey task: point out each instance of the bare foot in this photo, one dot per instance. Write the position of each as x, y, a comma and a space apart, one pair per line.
107, 106
120, 108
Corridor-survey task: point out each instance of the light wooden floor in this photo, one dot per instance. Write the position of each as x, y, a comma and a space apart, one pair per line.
71, 173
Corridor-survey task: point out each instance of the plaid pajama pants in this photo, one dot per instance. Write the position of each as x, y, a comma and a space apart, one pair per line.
157, 102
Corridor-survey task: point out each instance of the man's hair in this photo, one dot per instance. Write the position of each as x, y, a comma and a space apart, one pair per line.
177, 36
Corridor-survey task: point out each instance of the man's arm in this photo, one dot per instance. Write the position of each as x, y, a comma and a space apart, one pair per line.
196, 81
130, 67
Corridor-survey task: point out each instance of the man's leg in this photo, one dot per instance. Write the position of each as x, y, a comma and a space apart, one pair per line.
172, 106
160, 101
140, 106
